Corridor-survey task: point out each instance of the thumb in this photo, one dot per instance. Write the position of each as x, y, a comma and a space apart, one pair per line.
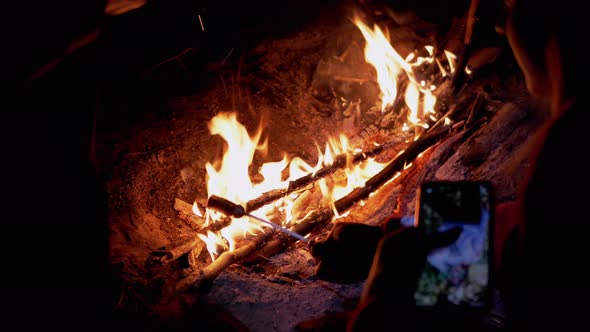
442, 239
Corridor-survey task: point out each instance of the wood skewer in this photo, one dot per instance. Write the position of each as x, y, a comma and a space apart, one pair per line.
235, 210
185, 212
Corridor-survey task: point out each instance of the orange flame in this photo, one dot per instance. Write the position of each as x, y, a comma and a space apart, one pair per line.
230, 179
390, 65
387, 62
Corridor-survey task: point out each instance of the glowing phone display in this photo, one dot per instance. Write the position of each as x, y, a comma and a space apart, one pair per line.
459, 273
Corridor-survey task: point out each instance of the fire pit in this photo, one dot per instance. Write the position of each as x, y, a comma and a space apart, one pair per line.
339, 121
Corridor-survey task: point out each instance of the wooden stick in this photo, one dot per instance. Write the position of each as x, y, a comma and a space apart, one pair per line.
176, 249
317, 219
185, 212
466, 50
339, 162
204, 277
349, 79
323, 216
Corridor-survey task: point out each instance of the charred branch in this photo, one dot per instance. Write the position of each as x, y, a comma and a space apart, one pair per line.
261, 247
177, 249
340, 162
203, 278
189, 244
317, 219
323, 216
185, 212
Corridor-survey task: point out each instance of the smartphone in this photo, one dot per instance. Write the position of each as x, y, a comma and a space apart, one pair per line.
458, 274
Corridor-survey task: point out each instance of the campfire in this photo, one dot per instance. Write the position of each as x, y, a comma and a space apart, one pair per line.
384, 109
283, 182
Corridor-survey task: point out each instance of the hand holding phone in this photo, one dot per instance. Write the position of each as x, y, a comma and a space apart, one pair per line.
405, 278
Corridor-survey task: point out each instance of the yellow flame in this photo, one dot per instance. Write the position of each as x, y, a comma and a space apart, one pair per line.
429, 102
299, 168
238, 229
442, 69
355, 175
230, 179
452, 58
272, 174
416, 61
389, 65
197, 210
387, 62
412, 100
214, 243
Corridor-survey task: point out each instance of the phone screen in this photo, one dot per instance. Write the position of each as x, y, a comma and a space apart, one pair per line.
459, 273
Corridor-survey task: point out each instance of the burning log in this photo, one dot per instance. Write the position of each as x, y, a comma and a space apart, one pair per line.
185, 212
237, 211
191, 243
323, 216
318, 218
204, 277
340, 162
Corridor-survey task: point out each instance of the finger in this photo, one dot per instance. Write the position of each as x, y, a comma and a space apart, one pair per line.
350, 233
442, 239
318, 248
320, 245
344, 237
392, 223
